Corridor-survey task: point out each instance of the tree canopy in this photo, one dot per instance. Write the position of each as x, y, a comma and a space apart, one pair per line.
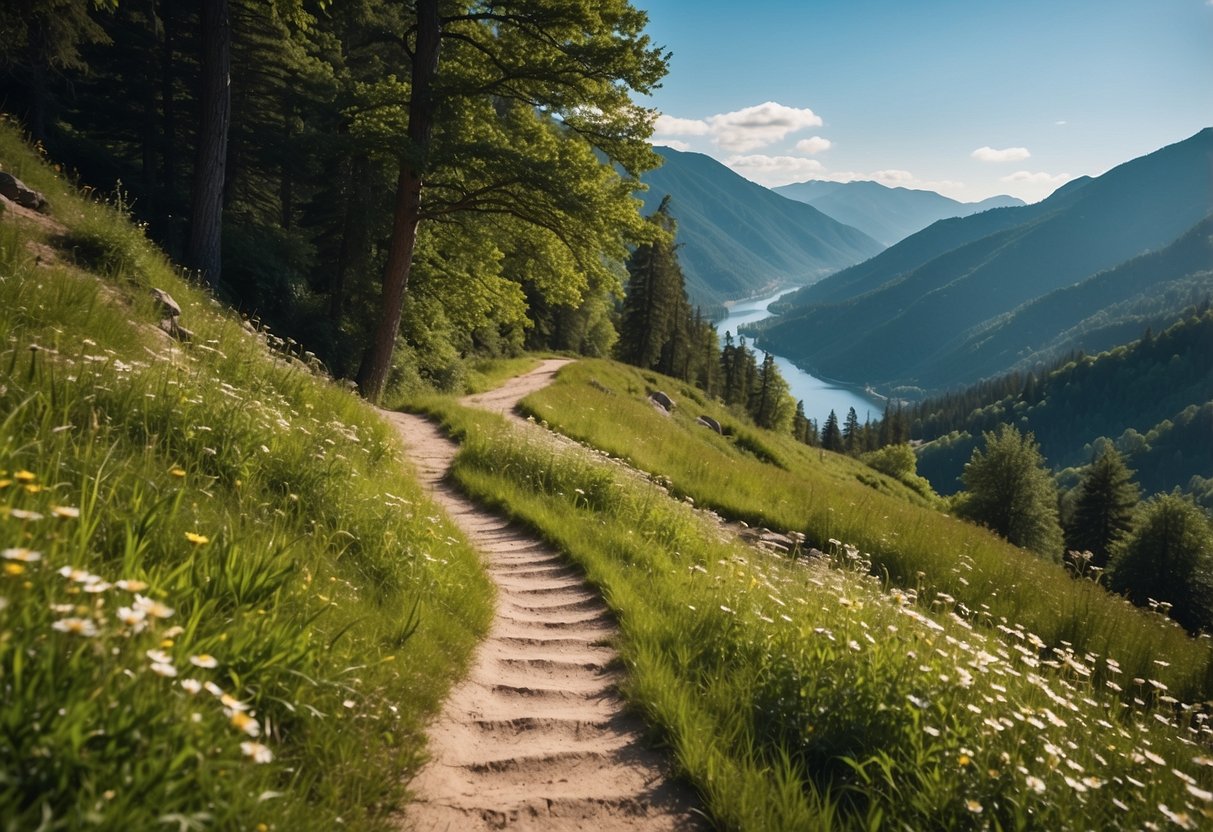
1169, 560
1010, 491
1103, 507
507, 106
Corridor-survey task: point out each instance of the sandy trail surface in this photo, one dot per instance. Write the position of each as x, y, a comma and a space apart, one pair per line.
536, 738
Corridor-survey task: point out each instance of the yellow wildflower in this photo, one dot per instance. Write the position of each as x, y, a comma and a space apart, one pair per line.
197, 539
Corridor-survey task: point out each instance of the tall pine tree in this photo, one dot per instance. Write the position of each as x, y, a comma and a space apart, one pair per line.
831, 436
1103, 507
654, 296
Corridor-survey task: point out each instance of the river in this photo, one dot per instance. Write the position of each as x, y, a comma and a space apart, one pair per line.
819, 396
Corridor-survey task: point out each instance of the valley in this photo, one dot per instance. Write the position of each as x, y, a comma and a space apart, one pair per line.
545, 416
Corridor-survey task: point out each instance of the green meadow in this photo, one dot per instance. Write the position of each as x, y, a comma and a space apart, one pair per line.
225, 603
808, 693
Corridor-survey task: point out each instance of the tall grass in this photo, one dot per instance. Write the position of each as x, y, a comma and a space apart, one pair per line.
808, 695
831, 497
224, 602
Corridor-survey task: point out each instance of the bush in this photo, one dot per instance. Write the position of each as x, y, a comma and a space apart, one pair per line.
1168, 562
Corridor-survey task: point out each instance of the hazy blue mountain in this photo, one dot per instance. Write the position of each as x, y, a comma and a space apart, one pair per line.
910, 316
738, 238
1110, 308
887, 214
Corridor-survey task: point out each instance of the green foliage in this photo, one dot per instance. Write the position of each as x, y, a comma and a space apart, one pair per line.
1011, 492
899, 462
1103, 506
1167, 562
771, 402
223, 601
831, 436
654, 299
525, 224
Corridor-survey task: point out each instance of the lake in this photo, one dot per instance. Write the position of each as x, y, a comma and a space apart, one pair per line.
819, 396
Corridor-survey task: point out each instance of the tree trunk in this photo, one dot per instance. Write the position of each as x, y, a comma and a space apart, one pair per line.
210, 161
286, 182
148, 137
168, 133
372, 375
39, 82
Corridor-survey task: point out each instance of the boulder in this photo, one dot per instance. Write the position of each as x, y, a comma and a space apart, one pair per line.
709, 422
22, 194
171, 310
168, 306
662, 400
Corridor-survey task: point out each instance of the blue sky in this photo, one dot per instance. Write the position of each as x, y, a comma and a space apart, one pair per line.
967, 97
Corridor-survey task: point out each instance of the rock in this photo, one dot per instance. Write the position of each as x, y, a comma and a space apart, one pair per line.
662, 399
176, 330
709, 422
22, 194
168, 306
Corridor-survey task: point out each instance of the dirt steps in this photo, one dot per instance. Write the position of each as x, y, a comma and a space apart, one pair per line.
536, 737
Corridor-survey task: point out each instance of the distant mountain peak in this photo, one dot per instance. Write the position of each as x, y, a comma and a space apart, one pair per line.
737, 238
956, 301
889, 214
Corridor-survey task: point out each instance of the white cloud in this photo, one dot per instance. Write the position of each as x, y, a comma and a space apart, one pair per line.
1063, 122
895, 178
671, 143
814, 145
1038, 178
1008, 154
673, 126
759, 126
775, 170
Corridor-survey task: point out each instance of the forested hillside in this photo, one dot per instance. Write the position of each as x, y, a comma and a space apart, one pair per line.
1152, 399
909, 317
738, 238
886, 214
462, 177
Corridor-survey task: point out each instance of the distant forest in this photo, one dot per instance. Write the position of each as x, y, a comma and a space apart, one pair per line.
1151, 399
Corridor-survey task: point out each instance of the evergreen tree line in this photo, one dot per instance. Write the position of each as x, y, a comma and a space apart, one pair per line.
659, 331
454, 178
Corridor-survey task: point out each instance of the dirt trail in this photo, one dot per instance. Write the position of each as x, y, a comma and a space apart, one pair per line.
536, 737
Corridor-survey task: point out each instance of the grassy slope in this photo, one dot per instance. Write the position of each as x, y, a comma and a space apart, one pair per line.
829, 496
810, 697
264, 510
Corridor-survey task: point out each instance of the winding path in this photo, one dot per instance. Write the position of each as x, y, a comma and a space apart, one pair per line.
536, 738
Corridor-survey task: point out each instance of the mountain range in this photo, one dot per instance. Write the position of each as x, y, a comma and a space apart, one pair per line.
972, 296
738, 239
886, 214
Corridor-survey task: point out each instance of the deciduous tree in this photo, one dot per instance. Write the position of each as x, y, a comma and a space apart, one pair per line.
555, 80
1169, 558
